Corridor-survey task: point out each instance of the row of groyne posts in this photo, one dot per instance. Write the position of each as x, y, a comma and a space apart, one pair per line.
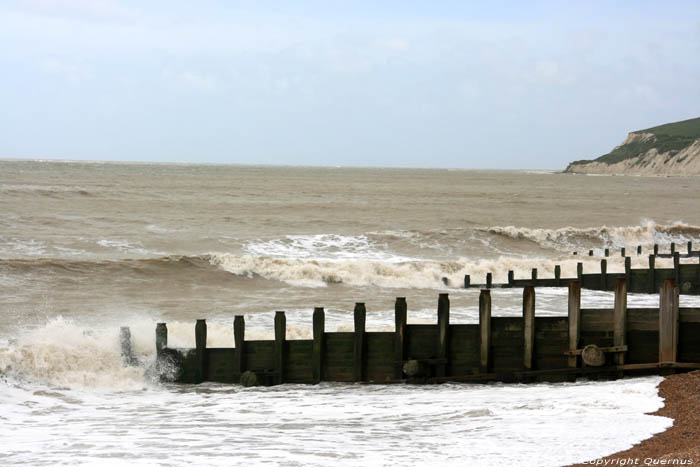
648, 280
595, 342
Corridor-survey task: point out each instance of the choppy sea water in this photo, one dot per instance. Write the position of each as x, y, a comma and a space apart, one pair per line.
87, 248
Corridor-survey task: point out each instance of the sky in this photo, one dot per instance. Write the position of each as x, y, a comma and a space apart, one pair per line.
505, 85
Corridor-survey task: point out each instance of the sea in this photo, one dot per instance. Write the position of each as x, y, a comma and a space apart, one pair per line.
88, 247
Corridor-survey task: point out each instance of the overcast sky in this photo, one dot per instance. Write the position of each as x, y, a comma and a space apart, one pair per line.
391, 83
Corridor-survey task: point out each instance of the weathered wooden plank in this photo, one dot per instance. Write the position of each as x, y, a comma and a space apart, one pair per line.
668, 322
380, 360
489, 280
220, 365
652, 271
298, 364
200, 338
339, 357
360, 314
557, 275
574, 313
280, 339
239, 341
528, 326
319, 330
400, 318
579, 271
443, 334
484, 329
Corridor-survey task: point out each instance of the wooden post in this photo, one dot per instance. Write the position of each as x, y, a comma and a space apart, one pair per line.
557, 275
534, 276
590, 252
652, 272
528, 326
690, 248
239, 341
161, 338
484, 329
200, 338
467, 281
489, 280
677, 267
400, 317
628, 272
639, 249
604, 273
668, 322
125, 345
607, 252
280, 338
574, 319
673, 247
442, 369
656, 249
623, 250
579, 271
511, 277
360, 314
620, 320
318, 345
161, 345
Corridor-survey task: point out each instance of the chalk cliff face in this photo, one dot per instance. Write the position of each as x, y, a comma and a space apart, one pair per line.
672, 149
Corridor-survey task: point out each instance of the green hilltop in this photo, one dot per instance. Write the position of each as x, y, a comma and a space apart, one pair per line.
670, 137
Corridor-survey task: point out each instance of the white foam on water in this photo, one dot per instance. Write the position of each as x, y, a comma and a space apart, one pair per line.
329, 424
125, 246
322, 246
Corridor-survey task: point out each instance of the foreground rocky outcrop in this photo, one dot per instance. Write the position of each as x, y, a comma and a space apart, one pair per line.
671, 149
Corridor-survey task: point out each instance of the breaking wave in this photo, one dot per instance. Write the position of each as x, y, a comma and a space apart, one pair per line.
646, 234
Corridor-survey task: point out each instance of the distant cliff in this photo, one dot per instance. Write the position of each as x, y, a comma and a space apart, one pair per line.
670, 149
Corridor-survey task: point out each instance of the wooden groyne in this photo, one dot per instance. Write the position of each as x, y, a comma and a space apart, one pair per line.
594, 342
647, 280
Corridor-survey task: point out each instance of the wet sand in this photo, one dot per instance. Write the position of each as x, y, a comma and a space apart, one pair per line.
680, 444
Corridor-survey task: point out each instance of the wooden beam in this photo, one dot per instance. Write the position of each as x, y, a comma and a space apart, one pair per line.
574, 319
280, 346
604, 273
200, 338
620, 319
161, 338
652, 274
534, 276
528, 326
360, 314
239, 342
668, 322
443, 334
484, 329
400, 317
677, 268
319, 330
